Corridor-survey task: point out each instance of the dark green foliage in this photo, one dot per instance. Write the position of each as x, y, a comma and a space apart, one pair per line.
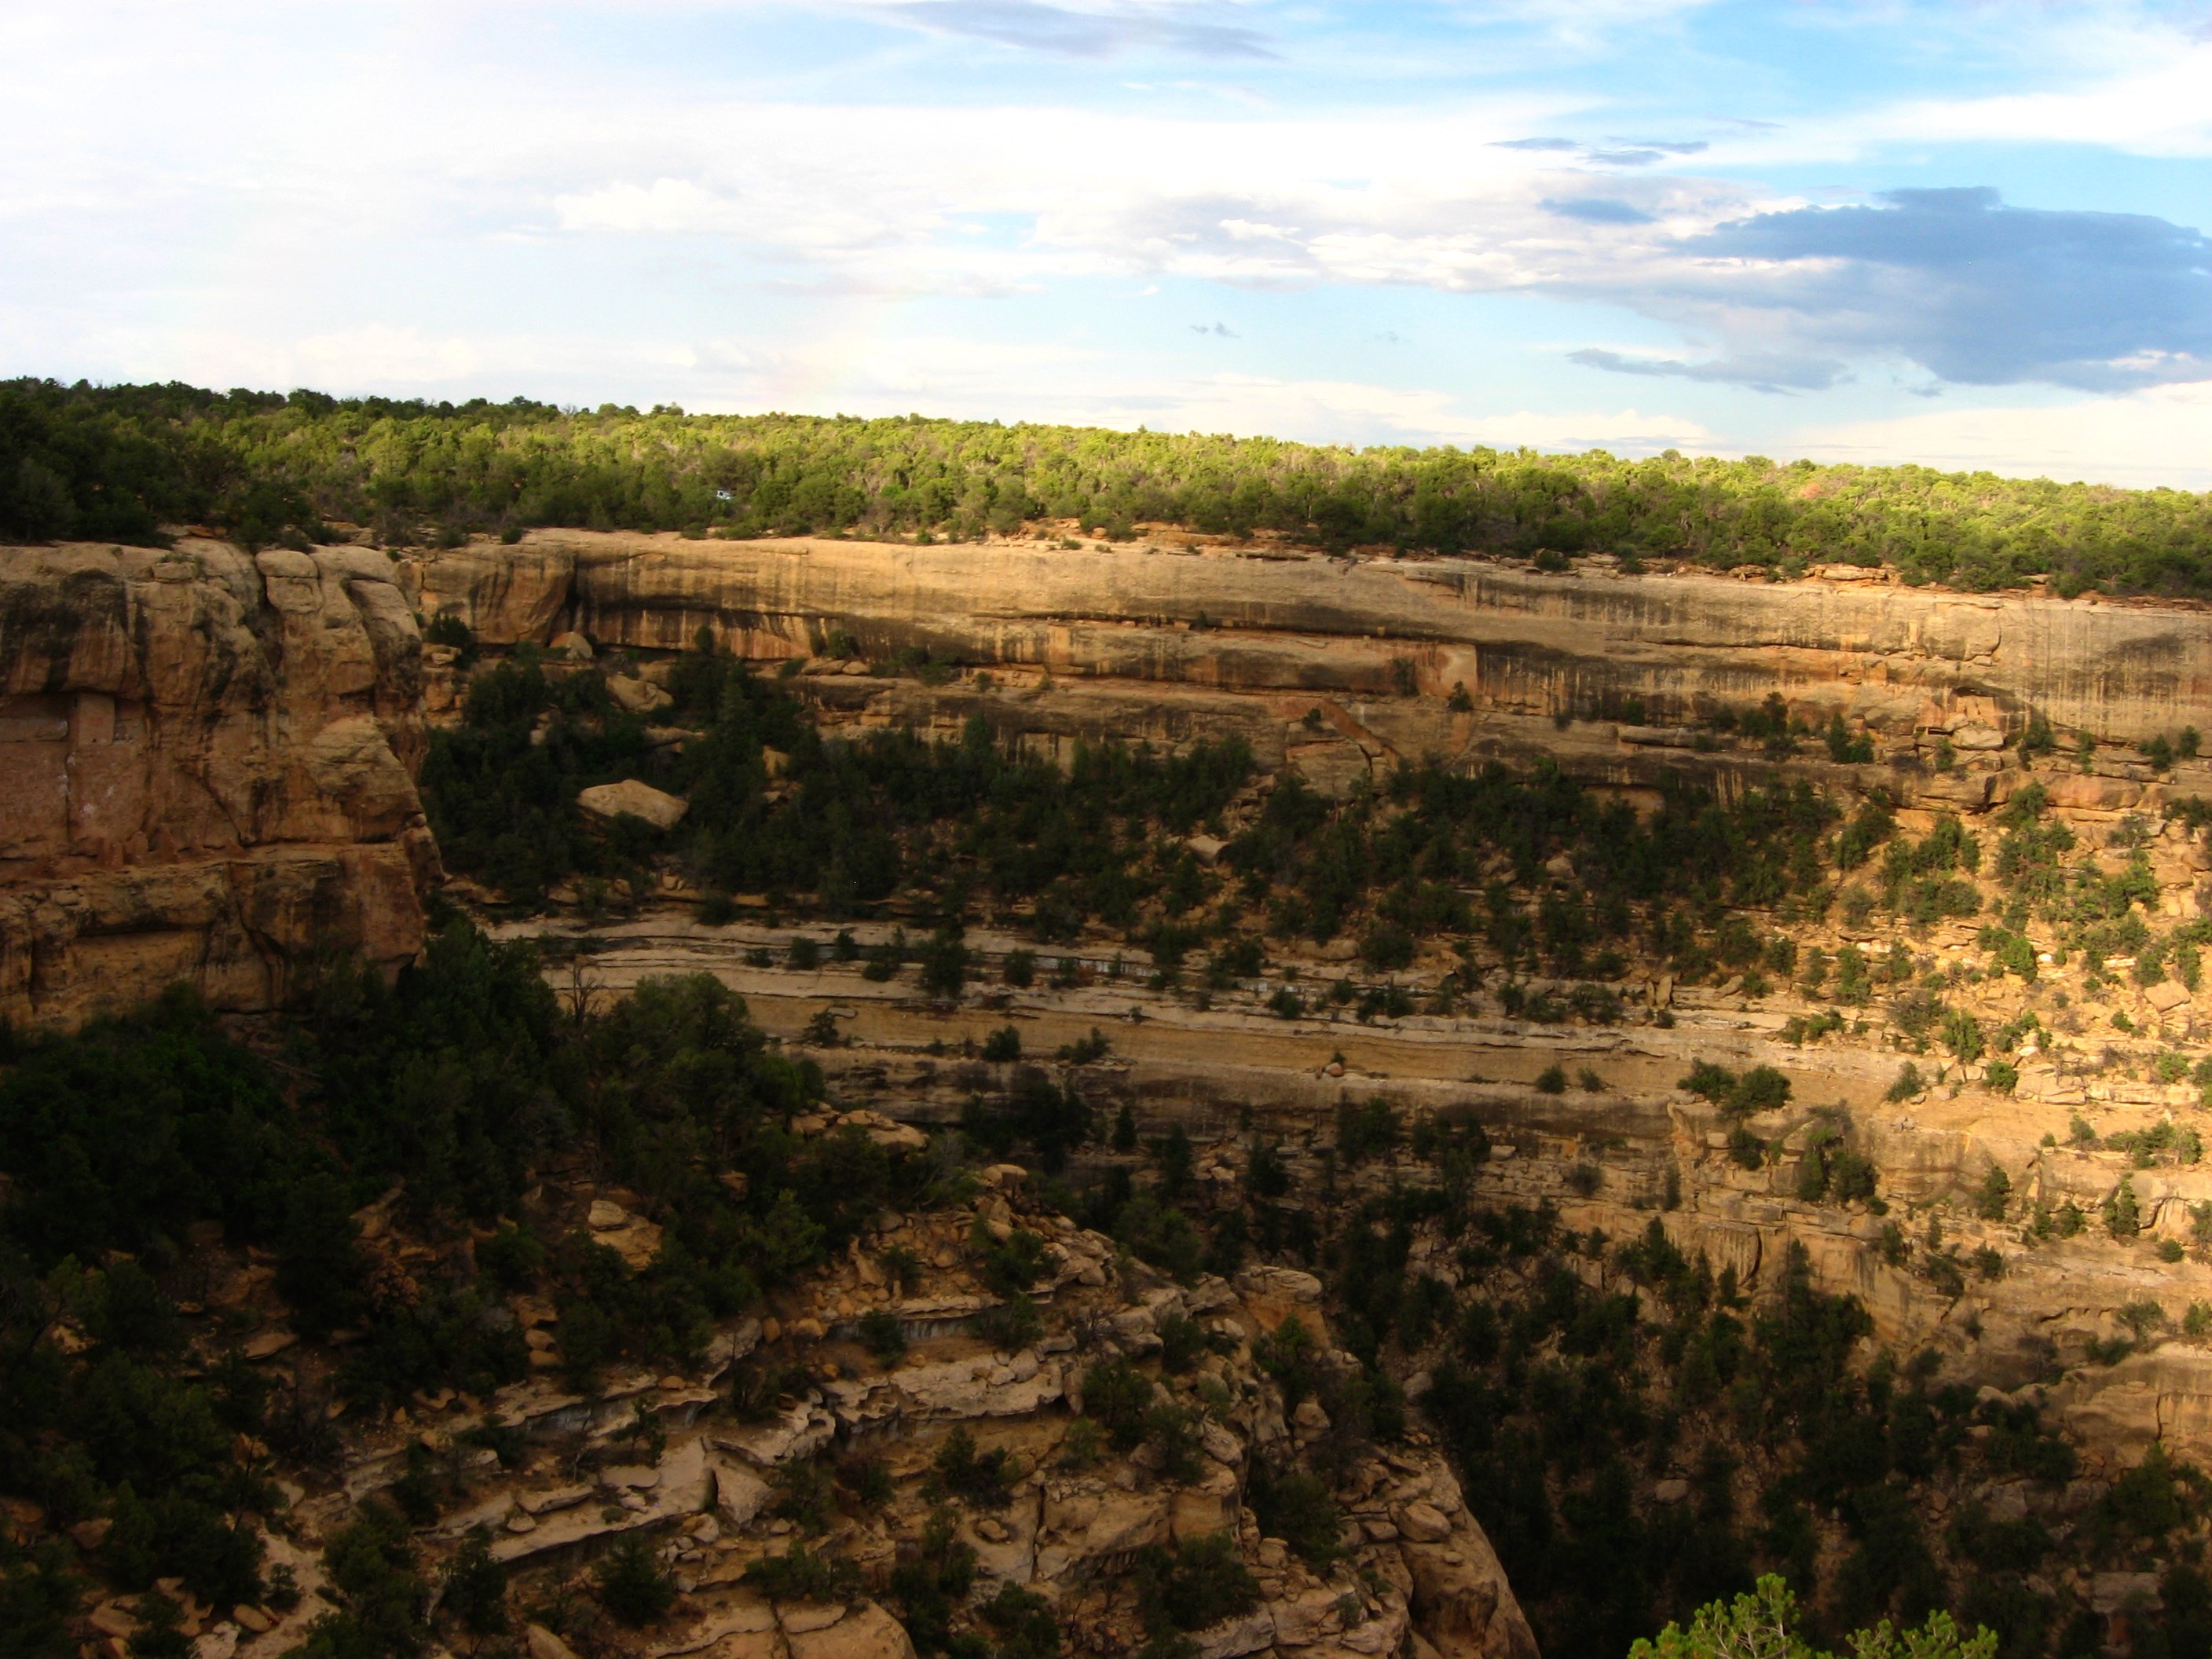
37, 1595
1199, 1583
453, 1085
982, 1479
1119, 1395
112, 463
632, 1586
803, 1496
1162, 1235
160, 1634
930, 1579
1022, 1622
881, 1336
1762, 1089
1011, 1265
1174, 1433
851, 822
802, 1574
476, 1587
122, 1137
382, 1602
1368, 1131
1181, 1342
1298, 1507
868, 1479
1264, 1175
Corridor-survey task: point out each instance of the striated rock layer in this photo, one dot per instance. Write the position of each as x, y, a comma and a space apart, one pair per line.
1521, 642
207, 764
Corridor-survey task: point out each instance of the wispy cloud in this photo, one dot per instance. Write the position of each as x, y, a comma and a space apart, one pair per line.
1080, 33
1596, 210
1760, 372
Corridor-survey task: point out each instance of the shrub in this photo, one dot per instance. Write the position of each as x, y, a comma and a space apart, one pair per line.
1299, 1509
1850, 1177
2123, 1215
984, 1479
802, 1574
1003, 1045
1118, 1395
1996, 1190
1386, 946
880, 1333
1551, 1080
1199, 1584
476, 1586
1181, 1340
1368, 1131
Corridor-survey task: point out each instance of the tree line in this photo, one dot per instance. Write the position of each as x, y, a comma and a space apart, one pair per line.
116, 462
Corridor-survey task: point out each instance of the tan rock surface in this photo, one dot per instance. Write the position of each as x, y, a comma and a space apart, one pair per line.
1519, 641
207, 757
631, 798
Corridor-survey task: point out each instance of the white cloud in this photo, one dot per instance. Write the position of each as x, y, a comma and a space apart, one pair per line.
2161, 103
2159, 436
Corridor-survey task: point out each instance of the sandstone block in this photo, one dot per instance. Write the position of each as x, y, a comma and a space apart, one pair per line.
631, 798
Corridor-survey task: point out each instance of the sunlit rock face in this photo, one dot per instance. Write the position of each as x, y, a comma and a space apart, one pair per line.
1231, 636
207, 760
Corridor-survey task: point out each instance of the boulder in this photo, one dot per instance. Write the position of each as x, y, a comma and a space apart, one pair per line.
1247, 1633
637, 695
630, 798
800, 1431
864, 1632
682, 1486
1424, 1523
1461, 1602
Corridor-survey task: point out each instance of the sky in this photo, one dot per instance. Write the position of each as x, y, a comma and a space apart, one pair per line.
1972, 235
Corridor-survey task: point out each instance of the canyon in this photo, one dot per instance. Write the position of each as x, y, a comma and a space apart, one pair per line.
212, 761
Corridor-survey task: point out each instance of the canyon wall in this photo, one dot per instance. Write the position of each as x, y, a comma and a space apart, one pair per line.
1523, 643
208, 762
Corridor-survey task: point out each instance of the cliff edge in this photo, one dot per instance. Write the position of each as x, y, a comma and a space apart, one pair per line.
207, 764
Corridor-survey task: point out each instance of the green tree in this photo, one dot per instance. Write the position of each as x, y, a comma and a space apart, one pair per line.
1763, 1624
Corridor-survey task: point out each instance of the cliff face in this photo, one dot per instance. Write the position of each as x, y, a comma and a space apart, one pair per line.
1235, 1062
1521, 642
206, 757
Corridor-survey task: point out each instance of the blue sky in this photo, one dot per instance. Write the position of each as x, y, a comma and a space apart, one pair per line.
1969, 234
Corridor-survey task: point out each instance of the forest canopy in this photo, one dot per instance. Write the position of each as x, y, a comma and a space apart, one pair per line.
116, 462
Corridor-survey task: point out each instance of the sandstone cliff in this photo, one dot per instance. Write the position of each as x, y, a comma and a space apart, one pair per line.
206, 756
1523, 643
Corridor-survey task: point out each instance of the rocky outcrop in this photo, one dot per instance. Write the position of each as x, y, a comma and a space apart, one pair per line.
1521, 642
715, 1490
207, 756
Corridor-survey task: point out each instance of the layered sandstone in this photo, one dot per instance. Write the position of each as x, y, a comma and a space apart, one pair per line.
1224, 628
207, 763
